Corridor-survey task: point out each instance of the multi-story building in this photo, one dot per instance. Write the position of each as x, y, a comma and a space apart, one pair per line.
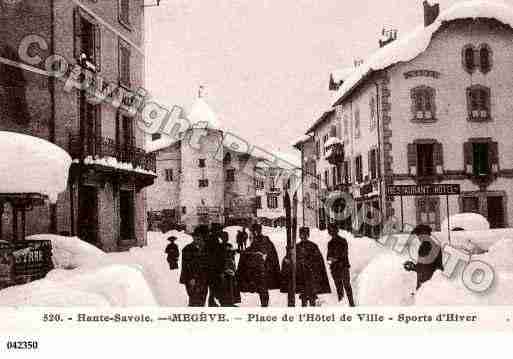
432, 107
272, 181
47, 48
201, 181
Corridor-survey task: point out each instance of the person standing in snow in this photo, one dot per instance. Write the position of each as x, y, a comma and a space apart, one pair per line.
429, 257
259, 266
311, 274
172, 253
242, 239
194, 273
229, 294
215, 264
338, 260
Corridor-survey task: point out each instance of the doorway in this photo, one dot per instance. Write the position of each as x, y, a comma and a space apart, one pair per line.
88, 214
126, 213
495, 211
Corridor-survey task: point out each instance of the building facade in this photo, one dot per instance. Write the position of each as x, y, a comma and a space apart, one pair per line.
90, 43
201, 181
411, 115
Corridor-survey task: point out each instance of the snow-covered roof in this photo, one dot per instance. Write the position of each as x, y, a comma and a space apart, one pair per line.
301, 140
341, 75
32, 165
407, 48
199, 114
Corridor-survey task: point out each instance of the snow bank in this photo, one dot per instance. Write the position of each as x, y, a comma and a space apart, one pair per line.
385, 282
71, 252
33, 164
407, 48
499, 256
114, 163
467, 221
332, 141
341, 75
201, 112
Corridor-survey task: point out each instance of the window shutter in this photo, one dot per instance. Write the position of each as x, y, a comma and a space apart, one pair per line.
494, 153
369, 163
98, 47
77, 31
438, 154
412, 154
467, 154
378, 163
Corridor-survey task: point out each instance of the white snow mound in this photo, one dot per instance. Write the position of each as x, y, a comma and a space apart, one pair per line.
467, 221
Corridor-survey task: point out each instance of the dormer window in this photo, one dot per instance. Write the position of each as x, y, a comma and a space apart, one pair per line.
478, 102
423, 104
477, 57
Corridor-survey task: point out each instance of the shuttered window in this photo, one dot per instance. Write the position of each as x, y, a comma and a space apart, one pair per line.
485, 58
481, 157
469, 62
425, 158
169, 175
124, 64
423, 103
272, 201
478, 101
358, 169
374, 170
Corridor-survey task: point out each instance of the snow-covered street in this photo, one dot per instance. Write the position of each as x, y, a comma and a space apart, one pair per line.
86, 276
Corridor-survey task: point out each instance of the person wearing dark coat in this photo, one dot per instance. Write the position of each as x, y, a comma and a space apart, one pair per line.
338, 260
311, 274
173, 253
194, 274
242, 239
215, 264
430, 256
259, 267
229, 294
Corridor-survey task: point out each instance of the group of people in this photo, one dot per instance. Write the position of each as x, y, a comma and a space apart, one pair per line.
209, 267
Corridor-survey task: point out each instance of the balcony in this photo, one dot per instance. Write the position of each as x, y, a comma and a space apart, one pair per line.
108, 153
334, 151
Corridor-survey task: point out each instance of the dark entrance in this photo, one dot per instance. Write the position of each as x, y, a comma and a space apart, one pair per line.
126, 212
88, 214
495, 212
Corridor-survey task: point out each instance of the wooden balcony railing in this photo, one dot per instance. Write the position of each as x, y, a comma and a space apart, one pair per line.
101, 147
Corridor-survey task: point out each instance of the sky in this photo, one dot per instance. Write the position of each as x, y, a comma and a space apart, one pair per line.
264, 64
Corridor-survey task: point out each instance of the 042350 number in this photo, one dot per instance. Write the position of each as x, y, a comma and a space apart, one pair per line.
22, 345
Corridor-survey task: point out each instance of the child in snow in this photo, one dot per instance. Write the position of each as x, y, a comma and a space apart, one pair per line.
172, 253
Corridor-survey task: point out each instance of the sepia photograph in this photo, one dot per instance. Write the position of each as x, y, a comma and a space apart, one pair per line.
344, 158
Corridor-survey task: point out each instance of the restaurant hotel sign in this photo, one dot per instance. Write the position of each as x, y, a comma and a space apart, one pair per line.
423, 190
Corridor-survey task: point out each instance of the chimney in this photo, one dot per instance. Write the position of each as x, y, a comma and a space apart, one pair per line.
431, 12
387, 36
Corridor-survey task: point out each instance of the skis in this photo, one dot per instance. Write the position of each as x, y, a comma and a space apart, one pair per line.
291, 225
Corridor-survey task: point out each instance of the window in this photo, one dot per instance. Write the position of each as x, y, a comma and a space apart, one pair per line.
156, 136
470, 204
333, 131
317, 149
230, 175
201, 163
347, 172
259, 183
480, 57
485, 58
469, 62
425, 160
326, 177
124, 64
478, 100
339, 173
423, 103
203, 183
346, 125
258, 202
481, 156
358, 169
357, 123
373, 164
168, 172
480, 163
324, 140
372, 111
272, 201
124, 12
184, 210
126, 137
428, 212
87, 42
307, 200
334, 175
